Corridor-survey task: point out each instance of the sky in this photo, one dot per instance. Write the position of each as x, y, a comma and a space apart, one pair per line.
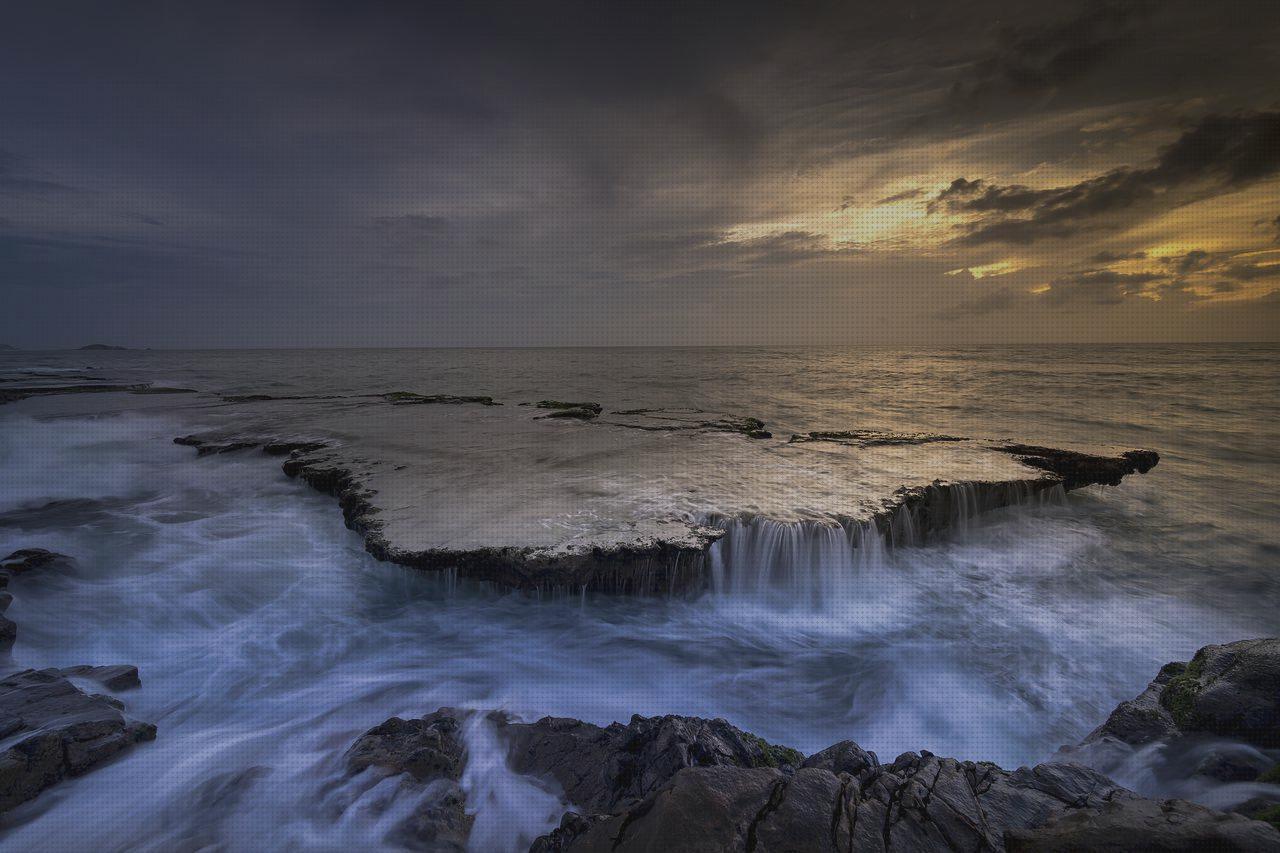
638, 173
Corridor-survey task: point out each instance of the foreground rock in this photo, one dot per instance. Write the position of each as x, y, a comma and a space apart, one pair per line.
431, 752
20, 562
1216, 717
1231, 690
51, 730
687, 784
29, 559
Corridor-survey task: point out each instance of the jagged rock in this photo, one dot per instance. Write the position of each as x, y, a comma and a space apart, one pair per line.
27, 559
8, 634
1132, 823
50, 729
115, 678
601, 769
1232, 691
920, 803
687, 784
1082, 469
427, 748
431, 751
572, 826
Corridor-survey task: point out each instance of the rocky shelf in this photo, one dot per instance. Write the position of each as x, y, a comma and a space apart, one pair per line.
612, 515
571, 495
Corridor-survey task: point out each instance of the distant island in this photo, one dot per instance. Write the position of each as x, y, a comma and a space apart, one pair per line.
103, 346
7, 346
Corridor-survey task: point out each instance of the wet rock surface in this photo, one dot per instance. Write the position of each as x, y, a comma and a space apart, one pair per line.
687, 420
431, 752
560, 409
51, 730
28, 559
1216, 717
20, 562
409, 398
1231, 690
1077, 470
546, 538
601, 769
872, 438
687, 784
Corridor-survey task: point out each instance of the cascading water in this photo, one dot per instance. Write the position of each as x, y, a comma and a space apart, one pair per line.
813, 563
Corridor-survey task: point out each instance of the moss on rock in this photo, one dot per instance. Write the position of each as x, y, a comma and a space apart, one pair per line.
1179, 697
775, 756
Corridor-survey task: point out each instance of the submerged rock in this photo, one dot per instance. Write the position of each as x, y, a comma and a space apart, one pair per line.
408, 398
28, 559
51, 730
688, 420
872, 438
580, 411
208, 447
13, 395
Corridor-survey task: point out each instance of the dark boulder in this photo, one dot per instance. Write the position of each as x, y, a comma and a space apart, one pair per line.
29, 559
50, 730
1077, 470
427, 748
430, 750
600, 769
1231, 691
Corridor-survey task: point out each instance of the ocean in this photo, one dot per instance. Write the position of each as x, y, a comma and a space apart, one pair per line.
268, 639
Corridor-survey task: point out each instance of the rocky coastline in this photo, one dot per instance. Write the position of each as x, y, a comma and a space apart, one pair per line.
688, 784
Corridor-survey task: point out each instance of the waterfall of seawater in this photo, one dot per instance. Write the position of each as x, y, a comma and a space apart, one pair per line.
817, 562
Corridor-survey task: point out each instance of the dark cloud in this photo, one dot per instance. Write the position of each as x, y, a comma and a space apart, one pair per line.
1109, 257
1032, 59
1192, 261
915, 192
1001, 299
1251, 271
538, 172
1219, 153
1098, 287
